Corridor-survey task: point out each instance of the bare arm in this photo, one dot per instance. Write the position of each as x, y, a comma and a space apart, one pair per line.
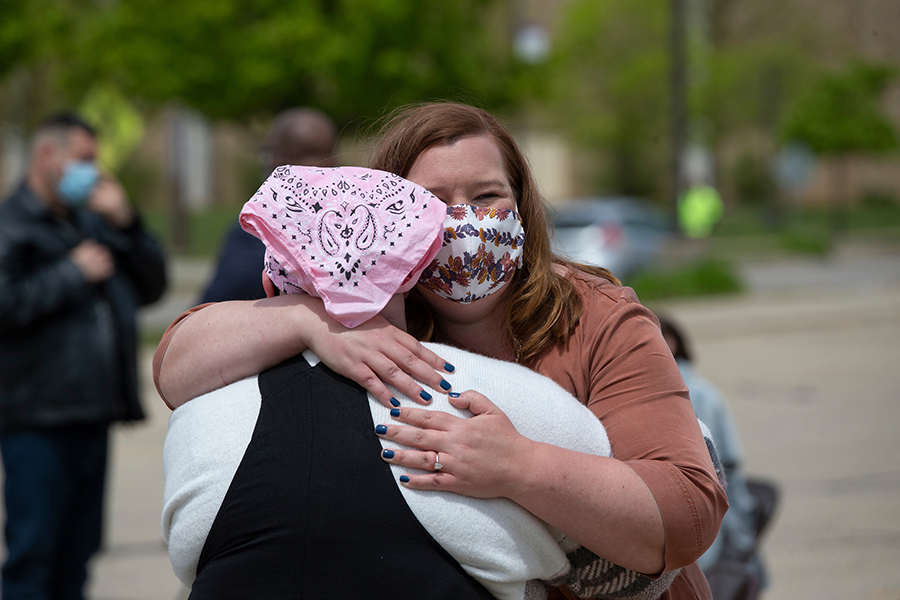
228, 341
569, 489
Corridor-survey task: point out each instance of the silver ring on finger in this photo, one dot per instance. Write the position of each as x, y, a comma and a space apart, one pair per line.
437, 462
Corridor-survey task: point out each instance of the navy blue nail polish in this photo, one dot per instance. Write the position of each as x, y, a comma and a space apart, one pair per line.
387, 453
453, 394
445, 384
425, 396
395, 412
404, 479
449, 368
394, 401
381, 429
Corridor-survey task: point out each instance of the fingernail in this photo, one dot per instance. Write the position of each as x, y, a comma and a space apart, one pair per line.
425, 396
449, 368
404, 479
453, 394
387, 453
381, 429
445, 384
395, 412
394, 401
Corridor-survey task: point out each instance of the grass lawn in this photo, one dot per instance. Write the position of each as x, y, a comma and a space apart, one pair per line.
750, 234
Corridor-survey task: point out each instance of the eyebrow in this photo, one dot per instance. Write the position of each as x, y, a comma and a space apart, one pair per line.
479, 184
490, 182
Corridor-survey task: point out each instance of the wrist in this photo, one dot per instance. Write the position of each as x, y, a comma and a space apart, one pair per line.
124, 218
304, 322
524, 480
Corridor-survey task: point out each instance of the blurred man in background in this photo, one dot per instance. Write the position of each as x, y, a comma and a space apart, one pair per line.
298, 136
75, 264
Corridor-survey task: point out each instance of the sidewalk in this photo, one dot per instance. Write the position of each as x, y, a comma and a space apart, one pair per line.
135, 565
813, 382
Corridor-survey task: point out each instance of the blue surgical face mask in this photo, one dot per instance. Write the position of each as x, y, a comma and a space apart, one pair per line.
77, 182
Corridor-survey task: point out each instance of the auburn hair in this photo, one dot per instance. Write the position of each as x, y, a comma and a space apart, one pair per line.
543, 307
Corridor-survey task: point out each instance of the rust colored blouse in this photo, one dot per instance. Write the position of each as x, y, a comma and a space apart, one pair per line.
617, 363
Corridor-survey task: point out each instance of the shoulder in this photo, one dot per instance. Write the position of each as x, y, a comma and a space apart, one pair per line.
614, 339
239, 240
477, 367
19, 206
609, 307
231, 407
495, 378
596, 290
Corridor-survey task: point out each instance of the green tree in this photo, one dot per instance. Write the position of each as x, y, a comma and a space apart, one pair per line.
32, 48
240, 59
840, 115
609, 69
246, 59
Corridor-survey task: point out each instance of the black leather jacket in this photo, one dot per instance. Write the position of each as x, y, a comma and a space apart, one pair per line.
68, 348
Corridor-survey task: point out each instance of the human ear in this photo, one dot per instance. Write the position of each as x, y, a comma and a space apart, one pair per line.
268, 286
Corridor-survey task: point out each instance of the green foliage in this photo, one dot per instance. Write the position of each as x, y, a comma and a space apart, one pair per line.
29, 30
119, 124
609, 72
806, 240
702, 278
752, 179
243, 58
840, 113
206, 230
747, 85
880, 200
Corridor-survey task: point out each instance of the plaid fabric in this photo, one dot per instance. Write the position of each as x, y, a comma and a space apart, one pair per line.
593, 577
590, 576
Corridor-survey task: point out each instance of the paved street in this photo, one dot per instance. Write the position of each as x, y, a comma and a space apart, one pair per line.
808, 360
813, 381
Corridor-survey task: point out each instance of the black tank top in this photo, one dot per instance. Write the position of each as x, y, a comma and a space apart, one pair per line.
313, 511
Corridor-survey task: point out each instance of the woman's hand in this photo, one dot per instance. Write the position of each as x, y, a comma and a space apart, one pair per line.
600, 502
482, 457
225, 342
377, 353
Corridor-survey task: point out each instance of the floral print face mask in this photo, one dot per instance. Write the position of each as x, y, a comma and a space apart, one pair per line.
482, 249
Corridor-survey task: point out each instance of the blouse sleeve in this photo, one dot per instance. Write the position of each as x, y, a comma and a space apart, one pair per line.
618, 363
164, 342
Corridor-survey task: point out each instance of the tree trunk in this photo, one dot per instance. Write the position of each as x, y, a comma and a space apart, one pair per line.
840, 193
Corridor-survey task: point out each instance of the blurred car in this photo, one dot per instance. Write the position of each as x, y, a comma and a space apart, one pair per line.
622, 234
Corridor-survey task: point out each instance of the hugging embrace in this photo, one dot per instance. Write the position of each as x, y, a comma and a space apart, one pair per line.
273, 487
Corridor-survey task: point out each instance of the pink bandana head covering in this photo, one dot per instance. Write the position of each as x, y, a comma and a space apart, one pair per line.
351, 236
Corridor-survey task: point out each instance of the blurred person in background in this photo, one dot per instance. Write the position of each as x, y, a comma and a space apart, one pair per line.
75, 265
737, 535
699, 210
297, 136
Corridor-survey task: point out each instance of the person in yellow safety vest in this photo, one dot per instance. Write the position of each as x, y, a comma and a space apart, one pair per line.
699, 209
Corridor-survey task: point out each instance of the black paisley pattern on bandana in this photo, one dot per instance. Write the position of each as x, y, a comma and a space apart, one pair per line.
326, 229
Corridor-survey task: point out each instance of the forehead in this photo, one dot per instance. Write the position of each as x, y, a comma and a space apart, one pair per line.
468, 160
81, 145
